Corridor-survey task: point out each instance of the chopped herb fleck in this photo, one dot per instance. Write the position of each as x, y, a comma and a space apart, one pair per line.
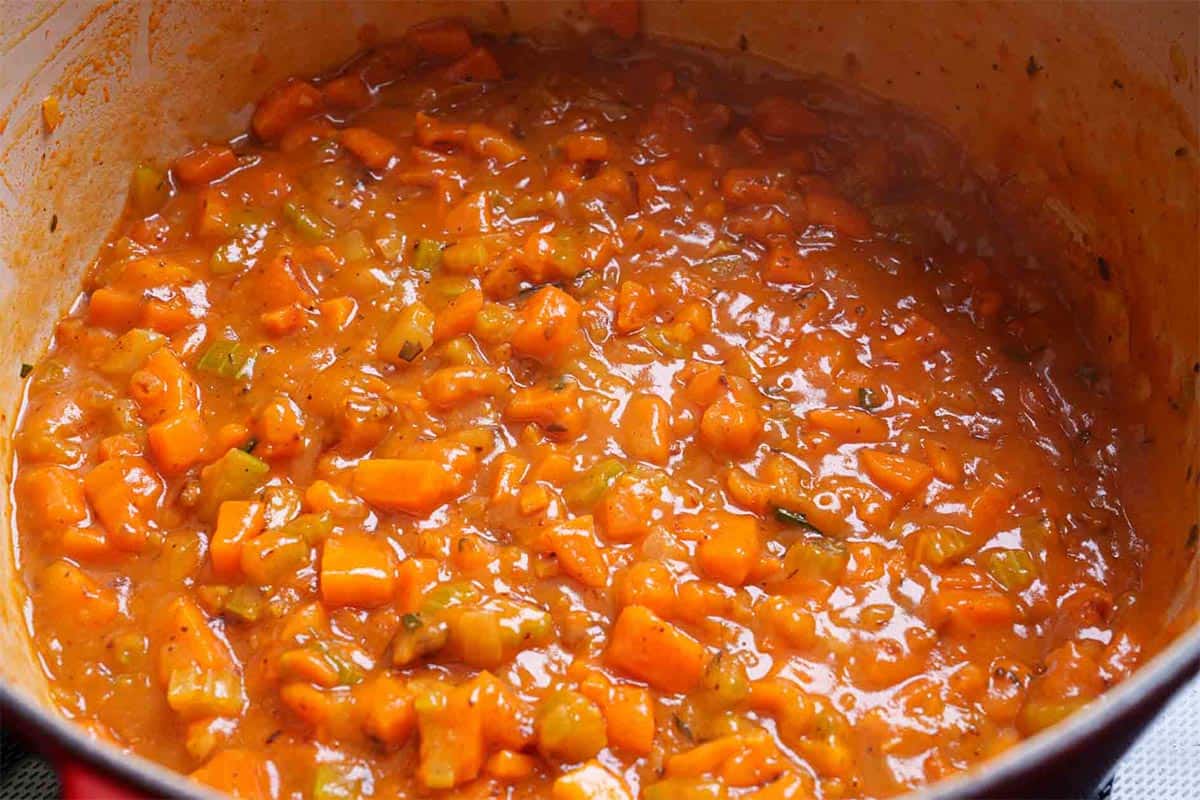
1193, 537
411, 621
26, 369
867, 398
789, 517
250, 445
410, 350
1032, 67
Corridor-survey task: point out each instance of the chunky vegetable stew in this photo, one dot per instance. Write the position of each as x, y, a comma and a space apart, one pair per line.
568, 417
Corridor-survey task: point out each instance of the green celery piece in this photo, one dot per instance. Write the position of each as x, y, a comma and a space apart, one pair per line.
246, 603
310, 226
427, 255
148, 189
587, 490
131, 351
227, 359
237, 475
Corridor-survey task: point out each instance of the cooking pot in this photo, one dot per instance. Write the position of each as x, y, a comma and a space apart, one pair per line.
1083, 117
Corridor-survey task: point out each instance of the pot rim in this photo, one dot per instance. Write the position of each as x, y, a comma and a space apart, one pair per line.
1146, 690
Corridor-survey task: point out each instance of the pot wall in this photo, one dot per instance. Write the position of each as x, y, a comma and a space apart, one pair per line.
1083, 116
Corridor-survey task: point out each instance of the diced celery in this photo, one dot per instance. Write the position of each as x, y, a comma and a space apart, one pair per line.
447, 287
246, 603
237, 475
131, 351
658, 338
227, 359
418, 637
1014, 569
310, 226
938, 547
726, 680
447, 595
427, 255
816, 557
313, 527
789, 517
570, 727
352, 246
586, 491
274, 557
148, 189
195, 692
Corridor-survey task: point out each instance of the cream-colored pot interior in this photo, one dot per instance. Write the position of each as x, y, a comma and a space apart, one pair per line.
1083, 115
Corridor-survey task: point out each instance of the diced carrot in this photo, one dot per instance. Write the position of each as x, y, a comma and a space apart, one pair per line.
834, 211
414, 577
356, 570
188, 642
372, 149
898, 474
788, 786
415, 486
279, 426
282, 321
648, 583
849, 424
337, 312
390, 718
166, 318
449, 387
237, 522
549, 324
748, 186
347, 92
784, 264
283, 107
74, 595
635, 306
510, 766
281, 283
655, 651
430, 131
967, 610
729, 553
628, 712
458, 317
622, 17
205, 165
441, 38
177, 443
705, 384
987, 508
231, 435
123, 491
646, 429
53, 495
579, 554
120, 444
782, 117
510, 471
163, 388
945, 464
752, 495
307, 702
322, 496
731, 424
488, 142
592, 781
87, 545
477, 65
579, 147
630, 508
309, 665
114, 309
242, 774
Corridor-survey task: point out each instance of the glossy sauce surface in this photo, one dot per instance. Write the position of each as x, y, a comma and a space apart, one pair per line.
573, 417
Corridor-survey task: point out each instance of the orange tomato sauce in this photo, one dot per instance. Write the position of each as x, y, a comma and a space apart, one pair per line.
578, 418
